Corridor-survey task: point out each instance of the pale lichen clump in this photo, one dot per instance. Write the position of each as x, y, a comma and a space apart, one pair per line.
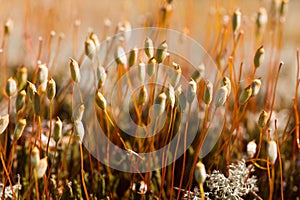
236, 185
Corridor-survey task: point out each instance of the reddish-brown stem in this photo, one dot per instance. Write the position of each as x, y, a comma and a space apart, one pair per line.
6, 141
280, 162
274, 93
57, 52
184, 150
82, 172
8, 178
50, 128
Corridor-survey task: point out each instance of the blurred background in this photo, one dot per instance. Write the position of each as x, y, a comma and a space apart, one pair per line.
33, 19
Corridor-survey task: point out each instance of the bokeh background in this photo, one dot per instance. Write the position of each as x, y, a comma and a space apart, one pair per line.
33, 19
